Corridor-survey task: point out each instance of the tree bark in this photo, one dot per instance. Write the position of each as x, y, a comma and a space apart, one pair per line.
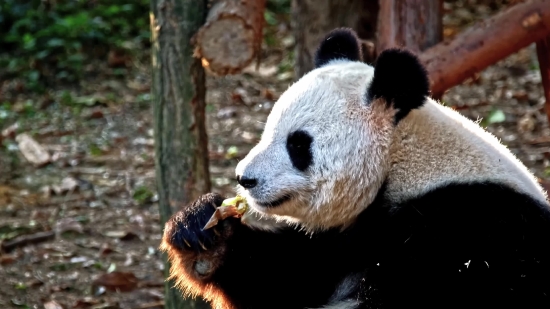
313, 19
413, 24
181, 154
486, 43
543, 55
232, 35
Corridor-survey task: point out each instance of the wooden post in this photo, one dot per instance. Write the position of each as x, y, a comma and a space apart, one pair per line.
485, 43
313, 19
413, 24
543, 55
181, 155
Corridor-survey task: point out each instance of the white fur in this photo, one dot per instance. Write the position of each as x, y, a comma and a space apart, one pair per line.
356, 147
435, 145
329, 104
345, 304
344, 297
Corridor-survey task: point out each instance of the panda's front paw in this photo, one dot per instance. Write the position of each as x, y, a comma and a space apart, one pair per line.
196, 254
184, 231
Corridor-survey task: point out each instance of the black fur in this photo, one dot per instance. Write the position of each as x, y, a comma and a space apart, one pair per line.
196, 216
341, 43
401, 79
298, 145
410, 255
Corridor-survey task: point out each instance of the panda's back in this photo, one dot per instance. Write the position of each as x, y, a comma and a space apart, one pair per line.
435, 146
467, 225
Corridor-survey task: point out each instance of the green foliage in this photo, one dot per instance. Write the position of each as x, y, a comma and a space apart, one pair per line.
495, 116
58, 40
278, 6
142, 195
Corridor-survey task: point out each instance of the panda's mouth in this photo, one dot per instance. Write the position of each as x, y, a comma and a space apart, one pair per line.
285, 198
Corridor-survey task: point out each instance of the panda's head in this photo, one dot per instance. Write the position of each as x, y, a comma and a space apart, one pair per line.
323, 154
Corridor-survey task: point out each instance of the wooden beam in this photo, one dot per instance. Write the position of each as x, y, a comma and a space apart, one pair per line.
486, 43
543, 55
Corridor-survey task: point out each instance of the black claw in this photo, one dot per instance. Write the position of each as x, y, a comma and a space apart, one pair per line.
186, 242
202, 245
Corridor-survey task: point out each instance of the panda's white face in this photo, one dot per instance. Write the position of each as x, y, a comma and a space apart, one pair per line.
323, 154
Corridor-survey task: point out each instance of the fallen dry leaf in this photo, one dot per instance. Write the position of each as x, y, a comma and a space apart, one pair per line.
33, 283
9, 132
68, 184
68, 224
262, 71
52, 305
105, 249
157, 304
268, 94
7, 259
227, 112
96, 113
129, 260
240, 95
527, 123
117, 58
32, 150
85, 303
117, 281
122, 235
520, 95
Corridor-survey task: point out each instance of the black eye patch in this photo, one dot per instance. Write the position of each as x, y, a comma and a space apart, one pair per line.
298, 145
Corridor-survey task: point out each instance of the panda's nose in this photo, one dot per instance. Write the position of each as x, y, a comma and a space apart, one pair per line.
246, 182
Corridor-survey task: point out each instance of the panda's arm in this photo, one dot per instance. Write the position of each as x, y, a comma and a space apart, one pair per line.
233, 265
195, 254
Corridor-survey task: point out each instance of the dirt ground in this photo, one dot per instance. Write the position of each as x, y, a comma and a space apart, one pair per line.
92, 211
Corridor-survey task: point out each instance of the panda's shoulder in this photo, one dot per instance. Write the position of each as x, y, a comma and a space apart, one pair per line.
479, 197
457, 210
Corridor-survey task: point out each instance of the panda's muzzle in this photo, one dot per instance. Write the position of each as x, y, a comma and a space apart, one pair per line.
249, 183
285, 198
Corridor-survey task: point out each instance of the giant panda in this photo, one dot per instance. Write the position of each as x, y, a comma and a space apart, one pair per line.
366, 193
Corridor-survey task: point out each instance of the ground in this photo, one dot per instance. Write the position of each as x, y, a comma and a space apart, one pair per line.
93, 211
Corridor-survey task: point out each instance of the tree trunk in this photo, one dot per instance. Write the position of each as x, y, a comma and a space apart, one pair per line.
485, 43
181, 155
313, 19
232, 35
413, 24
543, 55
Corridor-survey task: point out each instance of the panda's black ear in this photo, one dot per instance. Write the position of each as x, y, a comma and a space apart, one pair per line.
401, 80
340, 43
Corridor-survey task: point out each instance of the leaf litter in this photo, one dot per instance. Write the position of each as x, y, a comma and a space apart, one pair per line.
79, 222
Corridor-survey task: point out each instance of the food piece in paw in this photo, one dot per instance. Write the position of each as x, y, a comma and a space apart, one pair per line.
231, 207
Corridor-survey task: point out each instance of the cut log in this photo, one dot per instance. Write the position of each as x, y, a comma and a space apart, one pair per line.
231, 38
543, 55
413, 24
486, 43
